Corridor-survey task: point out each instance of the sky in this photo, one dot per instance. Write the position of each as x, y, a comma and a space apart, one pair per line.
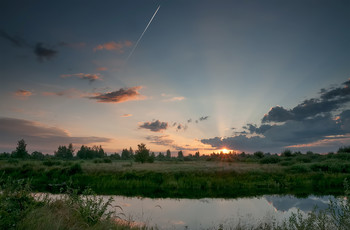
190, 75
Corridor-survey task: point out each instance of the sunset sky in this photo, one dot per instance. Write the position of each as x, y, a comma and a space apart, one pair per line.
205, 75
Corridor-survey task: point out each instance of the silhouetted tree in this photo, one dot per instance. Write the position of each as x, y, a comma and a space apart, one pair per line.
196, 155
180, 155
125, 154
65, 152
37, 155
86, 152
259, 154
151, 158
160, 156
287, 153
142, 154
168, 154
21, 150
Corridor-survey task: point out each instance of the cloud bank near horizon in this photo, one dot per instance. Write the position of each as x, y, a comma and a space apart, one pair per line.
317, 122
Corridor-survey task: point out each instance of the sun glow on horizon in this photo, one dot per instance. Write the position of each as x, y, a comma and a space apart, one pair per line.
225, 151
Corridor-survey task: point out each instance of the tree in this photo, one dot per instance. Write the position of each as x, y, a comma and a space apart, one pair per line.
65, 152
151, 158
37, 155
196, 155
86, 152
125, 154
168, 154
142, 154
259, 154
21, 150
180, 155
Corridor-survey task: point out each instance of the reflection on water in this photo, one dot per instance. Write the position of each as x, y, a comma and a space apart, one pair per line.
210, 213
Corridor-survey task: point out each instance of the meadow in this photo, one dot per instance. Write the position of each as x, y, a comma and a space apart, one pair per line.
182, 179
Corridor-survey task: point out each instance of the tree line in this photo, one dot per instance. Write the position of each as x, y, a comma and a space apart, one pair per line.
143, 155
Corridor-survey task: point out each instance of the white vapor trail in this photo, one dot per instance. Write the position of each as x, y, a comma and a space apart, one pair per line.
144, 31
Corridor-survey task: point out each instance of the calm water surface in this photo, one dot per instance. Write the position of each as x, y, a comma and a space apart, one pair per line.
210, 213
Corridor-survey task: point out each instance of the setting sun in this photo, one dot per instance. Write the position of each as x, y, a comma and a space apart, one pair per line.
225, 150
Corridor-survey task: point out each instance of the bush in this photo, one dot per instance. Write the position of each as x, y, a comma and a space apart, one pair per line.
270, 160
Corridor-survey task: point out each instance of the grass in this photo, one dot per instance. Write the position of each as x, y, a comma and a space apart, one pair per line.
19, 210
185, 179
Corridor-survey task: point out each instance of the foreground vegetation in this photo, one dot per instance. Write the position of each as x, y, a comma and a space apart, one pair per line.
194, 176
20, 210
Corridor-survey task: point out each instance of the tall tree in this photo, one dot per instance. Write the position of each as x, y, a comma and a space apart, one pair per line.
21, 150
168, 154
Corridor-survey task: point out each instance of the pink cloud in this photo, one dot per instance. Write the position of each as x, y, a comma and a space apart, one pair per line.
113, 46
119, 96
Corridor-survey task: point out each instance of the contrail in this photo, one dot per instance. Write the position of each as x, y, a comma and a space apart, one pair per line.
144, 31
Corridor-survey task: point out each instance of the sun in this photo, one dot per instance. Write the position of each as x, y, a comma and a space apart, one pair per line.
224, 150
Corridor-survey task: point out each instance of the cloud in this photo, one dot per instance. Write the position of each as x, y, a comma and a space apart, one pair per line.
23, 93
164, 140
171, 98
15, 41
126, 115
71, 93
38, 136
113, 46
76, 45
101, 68
40, 50
189, 120
329, 100
119, 96
309, 124
85, 76
203, 118
181, 127
43, 52
175, 99
155, 126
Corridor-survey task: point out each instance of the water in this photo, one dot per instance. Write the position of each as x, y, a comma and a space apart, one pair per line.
211, 213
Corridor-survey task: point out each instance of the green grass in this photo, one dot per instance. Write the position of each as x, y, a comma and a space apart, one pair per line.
193, 179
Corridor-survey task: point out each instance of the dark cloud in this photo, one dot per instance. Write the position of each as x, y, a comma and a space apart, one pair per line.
43, 52
312, 123
181, 127
16, 41
329, 100
155, 126
85, 76
255, 129
203, 118
38, 136
122, 95
189, 120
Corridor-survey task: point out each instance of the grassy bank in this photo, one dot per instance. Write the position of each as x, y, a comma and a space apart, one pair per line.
19, 210
182, 179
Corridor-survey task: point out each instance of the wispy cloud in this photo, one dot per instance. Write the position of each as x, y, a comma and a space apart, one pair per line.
39, 136
85, 76
171, 98
71, 93
114, 46
155, 126
14, 40
101, 68
119, 96
23, 94
126, 115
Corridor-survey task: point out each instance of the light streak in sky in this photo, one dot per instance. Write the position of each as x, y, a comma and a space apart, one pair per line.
144, 31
